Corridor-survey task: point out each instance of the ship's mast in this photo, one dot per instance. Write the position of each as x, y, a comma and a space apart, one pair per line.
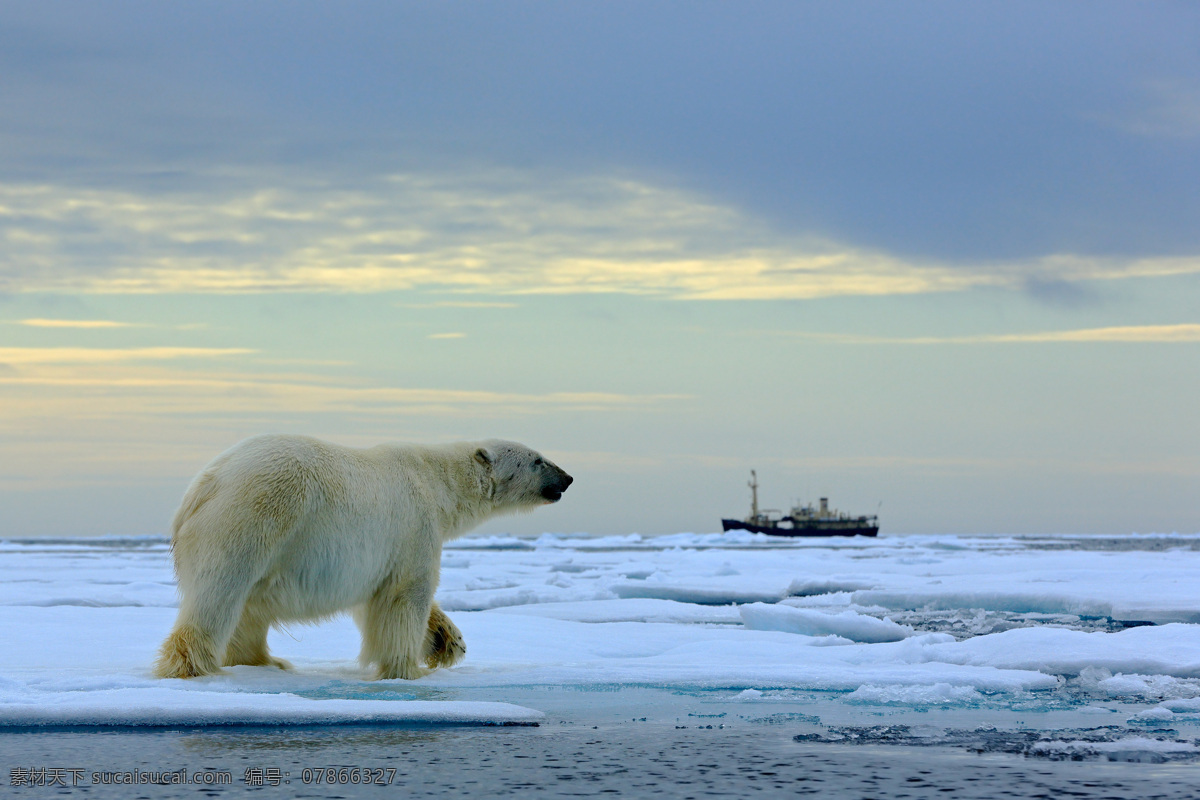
753, 494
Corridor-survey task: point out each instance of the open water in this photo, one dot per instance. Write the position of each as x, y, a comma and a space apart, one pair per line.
562, 760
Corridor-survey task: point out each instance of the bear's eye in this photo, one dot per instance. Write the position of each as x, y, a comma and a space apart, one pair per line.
537, 462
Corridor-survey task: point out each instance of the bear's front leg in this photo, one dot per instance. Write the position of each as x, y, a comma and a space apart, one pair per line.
444, 645
394, 623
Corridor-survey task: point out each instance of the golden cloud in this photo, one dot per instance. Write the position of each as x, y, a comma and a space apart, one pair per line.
73, 323
1183, 332
78, 412
112, 387
92, 355
499, 233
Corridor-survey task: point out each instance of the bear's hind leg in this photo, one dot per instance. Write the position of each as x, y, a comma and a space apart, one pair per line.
196, 643
444, 645
248, 645
213, 597
188, 652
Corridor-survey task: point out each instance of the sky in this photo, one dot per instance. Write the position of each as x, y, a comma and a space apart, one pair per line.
937, 261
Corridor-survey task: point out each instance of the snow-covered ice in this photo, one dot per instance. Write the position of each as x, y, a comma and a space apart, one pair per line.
850, 626
1104, 629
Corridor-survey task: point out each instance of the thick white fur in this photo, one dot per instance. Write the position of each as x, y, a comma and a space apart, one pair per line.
289, 528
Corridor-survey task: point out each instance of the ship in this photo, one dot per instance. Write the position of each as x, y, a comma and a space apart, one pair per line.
804, 520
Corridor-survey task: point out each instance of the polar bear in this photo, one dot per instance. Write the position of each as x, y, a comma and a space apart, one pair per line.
289, 528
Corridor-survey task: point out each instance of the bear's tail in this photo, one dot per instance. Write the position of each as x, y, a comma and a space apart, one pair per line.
199, 493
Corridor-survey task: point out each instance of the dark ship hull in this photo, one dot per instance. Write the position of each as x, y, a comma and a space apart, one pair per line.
823, 527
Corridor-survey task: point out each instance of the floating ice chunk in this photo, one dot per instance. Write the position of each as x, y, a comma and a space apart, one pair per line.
1016, 601
717, 592
748, 695
483, 600
848, 624
635, 570
1142, 743
1153, 650
1153, 716
157, 707
632, 610
584, 542
806, 587
488, 543
833, 599
1168, 711
1184, 706
569, 566
1158, 686
939, 694
830, 641
1134, 748
485, 584
947, 543
705, 539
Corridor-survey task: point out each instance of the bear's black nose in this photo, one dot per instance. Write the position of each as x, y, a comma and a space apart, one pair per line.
553, 492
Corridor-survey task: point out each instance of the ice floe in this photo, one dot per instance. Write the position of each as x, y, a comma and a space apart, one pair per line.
907, 622
847, 624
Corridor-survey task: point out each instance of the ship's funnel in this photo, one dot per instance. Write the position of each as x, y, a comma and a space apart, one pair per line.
824, 505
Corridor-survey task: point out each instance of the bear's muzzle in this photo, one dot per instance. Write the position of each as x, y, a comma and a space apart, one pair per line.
553, 491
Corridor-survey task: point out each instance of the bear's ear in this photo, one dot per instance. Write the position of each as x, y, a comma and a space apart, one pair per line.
482, 457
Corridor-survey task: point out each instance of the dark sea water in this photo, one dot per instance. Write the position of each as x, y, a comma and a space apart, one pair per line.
563, 760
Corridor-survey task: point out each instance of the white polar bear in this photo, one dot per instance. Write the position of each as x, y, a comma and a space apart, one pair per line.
288, 528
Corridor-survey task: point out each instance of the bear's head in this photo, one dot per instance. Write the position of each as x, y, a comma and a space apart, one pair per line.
518, 477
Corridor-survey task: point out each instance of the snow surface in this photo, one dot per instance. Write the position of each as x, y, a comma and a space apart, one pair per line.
905, 622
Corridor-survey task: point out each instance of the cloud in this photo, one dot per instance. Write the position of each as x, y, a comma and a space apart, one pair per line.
1169, 334
494, 233
112, 384
73, 323
91, 355
1170, 109
447, 336
83, 413
1186, 332
459, 304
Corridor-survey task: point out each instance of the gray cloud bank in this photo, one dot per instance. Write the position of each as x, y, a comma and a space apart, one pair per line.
955, 133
